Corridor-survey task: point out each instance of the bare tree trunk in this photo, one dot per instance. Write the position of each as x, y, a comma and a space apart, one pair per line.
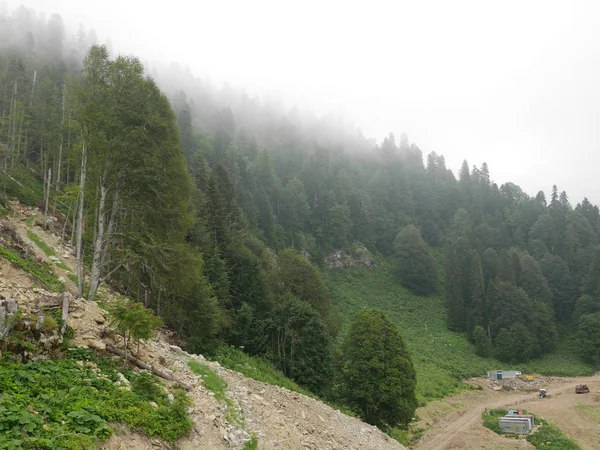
64, 230
98, 247
62, 137
80, 271
33, 88
47, 199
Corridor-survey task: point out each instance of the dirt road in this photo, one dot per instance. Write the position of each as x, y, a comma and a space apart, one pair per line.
561, 409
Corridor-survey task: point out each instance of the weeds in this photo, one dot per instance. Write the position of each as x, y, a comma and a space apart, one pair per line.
41, 271
68, 404
214, 383
49, 251
256, 368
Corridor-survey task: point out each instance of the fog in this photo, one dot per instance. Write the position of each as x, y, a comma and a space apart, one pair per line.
514, 84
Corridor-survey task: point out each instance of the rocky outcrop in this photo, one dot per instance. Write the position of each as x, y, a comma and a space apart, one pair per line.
359, 256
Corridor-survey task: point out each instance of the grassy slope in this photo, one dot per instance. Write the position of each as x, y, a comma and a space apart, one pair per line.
442, 358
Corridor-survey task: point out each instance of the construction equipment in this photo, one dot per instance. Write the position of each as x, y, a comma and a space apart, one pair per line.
542, 393
582, 389
527, 378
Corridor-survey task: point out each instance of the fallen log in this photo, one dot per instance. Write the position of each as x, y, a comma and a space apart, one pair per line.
142, 365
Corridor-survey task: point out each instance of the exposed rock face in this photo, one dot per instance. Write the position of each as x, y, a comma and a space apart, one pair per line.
358, 257
8, 309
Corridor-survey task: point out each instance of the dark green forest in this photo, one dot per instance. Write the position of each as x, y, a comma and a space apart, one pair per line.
219, 211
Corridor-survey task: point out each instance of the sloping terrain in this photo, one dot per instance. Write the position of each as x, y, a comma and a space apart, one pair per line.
276, 417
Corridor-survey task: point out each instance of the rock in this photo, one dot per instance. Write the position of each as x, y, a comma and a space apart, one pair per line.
154, 405
97, 344
171, 397
100, 320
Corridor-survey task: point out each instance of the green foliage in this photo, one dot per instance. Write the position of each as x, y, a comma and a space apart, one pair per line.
29, 221
72, 277
544, 437
441, 357
40, 271
252, 444
491, 419
22, 184
295, 339
297, 276
377, 374
483, 345
256, 368
589, 337
41, 244
415, 265
549, 437
60, 404
214, 383
133, 321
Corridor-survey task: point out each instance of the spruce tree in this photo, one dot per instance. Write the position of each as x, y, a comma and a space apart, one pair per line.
414, 263
377, 375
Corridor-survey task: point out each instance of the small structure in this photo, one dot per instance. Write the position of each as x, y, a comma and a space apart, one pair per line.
582, 389
516, 423
502, 374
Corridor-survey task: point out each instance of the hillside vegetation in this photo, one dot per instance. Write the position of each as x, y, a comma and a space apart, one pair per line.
219, 212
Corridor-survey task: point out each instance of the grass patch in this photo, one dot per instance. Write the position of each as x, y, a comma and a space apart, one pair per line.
549, 437
441, 357
42, 272
214, 383
491, 419
30, 220
62, 404
406, 436
62, 266
49, 251
23, 184
256, 368
252, 444
590, 412
72, 277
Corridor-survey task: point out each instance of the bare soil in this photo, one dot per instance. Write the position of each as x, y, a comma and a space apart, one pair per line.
456, 422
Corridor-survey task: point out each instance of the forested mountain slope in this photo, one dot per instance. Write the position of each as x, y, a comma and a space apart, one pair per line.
218, 211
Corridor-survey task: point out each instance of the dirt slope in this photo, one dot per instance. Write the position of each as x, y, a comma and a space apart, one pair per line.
280, 419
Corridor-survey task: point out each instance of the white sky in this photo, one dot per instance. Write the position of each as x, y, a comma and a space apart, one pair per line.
513, 83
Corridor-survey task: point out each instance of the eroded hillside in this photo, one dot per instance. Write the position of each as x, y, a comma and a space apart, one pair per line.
248, 411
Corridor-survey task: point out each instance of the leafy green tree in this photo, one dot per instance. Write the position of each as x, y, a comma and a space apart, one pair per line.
415, 266
562, 285
377, 375
133, 321
589, 337
483, 345
532, 280
585, 305
476, 307
297, 276
295, 339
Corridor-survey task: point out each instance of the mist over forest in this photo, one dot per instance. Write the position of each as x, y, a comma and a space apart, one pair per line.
224, 213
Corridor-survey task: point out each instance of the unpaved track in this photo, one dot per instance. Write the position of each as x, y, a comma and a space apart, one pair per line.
558, 409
